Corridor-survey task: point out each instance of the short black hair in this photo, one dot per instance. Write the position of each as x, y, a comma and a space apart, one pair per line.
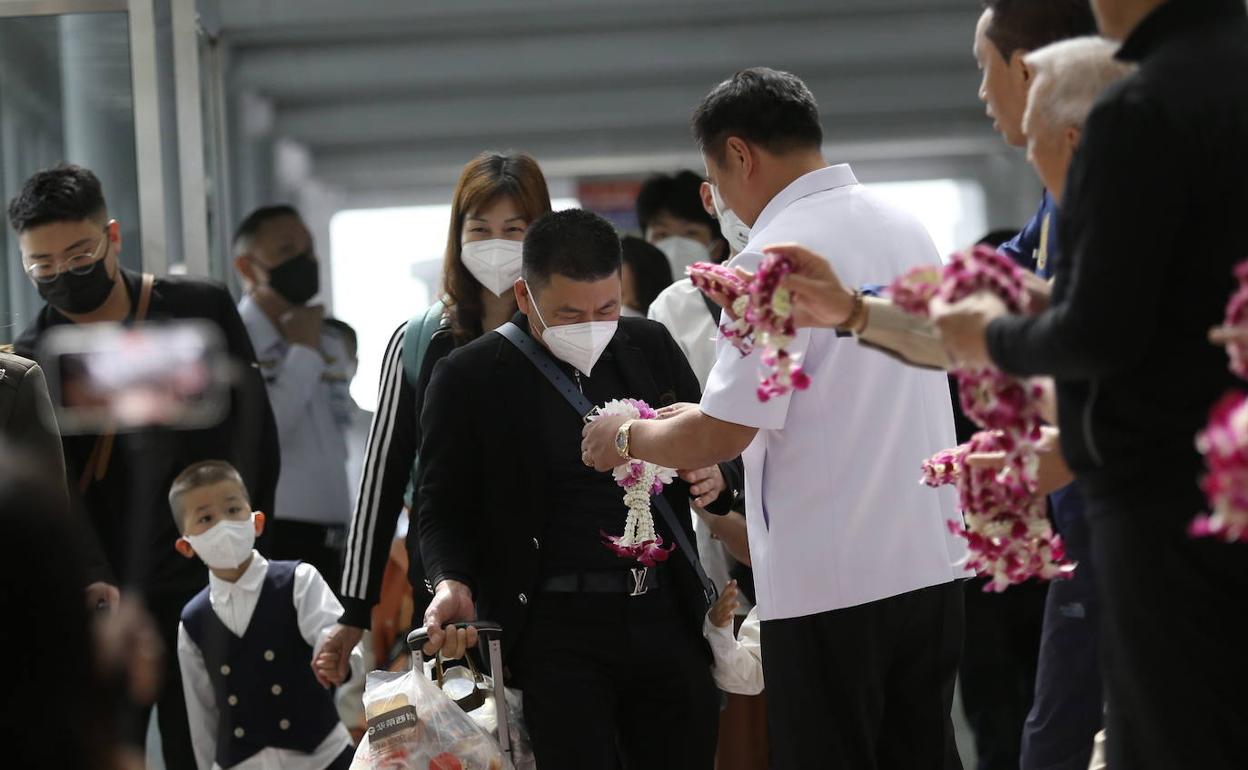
347, 331
652, 272
67, 193
1027, 25
253, 222
995, 238
679, 195
574, 243
767, 107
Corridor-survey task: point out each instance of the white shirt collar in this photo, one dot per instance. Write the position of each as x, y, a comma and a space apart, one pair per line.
250, 582
819, 180
264, 335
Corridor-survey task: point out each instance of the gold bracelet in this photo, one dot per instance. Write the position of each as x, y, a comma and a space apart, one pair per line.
856, 315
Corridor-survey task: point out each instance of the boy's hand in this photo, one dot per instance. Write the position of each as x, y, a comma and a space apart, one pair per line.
332, 664
725, 606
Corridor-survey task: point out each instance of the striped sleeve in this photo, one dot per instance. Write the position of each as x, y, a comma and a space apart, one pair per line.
388, 459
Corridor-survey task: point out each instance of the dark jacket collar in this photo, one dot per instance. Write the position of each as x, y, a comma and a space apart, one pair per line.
1172, 19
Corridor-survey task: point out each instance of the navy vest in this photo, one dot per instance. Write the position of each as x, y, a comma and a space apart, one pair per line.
267, 696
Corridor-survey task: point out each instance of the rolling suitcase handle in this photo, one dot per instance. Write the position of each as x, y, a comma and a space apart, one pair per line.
492, 634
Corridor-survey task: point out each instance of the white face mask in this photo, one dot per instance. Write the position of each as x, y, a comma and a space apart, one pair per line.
730, 225
682, 252
226, 544
495, 263
577, 344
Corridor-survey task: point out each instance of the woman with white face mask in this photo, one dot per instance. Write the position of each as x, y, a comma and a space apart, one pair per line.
498, 196
672, 217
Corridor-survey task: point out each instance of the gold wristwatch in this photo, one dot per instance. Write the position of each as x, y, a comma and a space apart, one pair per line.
621, 439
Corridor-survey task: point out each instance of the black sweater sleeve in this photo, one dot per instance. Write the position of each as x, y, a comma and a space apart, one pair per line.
1120, 222
448, 480
387, 469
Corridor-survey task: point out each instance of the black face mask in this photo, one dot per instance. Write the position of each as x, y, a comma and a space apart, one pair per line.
296, 280
78, 294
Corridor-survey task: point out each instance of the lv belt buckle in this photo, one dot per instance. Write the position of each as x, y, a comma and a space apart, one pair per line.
639, 581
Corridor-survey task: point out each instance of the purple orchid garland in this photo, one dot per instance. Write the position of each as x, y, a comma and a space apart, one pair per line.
640, 481
764, 317
1006, 528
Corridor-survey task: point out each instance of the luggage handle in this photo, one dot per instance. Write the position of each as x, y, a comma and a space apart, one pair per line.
492, 634
486, 629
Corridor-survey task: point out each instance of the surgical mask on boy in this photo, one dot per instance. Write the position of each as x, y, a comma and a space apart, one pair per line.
495, 263
226, 544
736, 232
681, 252
577, 344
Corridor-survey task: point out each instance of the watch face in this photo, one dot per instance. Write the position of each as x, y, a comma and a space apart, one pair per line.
621, 441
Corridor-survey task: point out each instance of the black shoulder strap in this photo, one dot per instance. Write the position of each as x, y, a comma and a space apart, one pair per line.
538, 356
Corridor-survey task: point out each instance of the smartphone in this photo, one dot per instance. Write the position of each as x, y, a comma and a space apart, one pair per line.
106, 377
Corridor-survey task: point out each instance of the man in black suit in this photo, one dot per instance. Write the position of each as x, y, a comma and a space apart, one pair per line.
610, 657
70, 251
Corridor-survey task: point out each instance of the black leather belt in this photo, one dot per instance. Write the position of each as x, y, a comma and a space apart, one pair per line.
631, 582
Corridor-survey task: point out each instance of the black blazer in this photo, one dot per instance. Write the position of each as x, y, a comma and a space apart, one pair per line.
481, 503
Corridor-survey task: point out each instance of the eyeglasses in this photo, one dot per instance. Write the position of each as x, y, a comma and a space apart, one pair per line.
47, 271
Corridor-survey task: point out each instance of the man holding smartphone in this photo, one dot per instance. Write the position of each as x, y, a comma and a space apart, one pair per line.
70, 250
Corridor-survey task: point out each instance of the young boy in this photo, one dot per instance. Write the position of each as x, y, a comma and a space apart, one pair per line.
251, 695
738, 667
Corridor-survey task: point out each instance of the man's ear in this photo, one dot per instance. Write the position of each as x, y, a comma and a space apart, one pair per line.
259, 520
739, 154
524, 301
182, 546
246, 267
708, 200
1073, 134
1019, 65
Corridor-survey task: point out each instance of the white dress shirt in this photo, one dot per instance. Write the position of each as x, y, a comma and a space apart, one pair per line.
837, 516
306, 387
682, 309
738, 665
360, 422
318, 610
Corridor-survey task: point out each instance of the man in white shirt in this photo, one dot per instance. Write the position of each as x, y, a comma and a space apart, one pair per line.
306, 373
854, 564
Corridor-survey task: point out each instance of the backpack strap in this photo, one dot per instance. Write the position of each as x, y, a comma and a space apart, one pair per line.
420, 331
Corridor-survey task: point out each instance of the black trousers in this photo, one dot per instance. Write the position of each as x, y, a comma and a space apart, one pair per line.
866, 687
612, 681
999, 668
1173, 632
319, 545
175, 731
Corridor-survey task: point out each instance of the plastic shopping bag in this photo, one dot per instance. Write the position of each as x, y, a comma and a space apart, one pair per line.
487, 718
412, 725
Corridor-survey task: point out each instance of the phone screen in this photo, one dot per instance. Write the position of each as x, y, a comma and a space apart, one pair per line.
108, 377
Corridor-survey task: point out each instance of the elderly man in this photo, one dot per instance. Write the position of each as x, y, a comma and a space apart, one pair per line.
1151, 214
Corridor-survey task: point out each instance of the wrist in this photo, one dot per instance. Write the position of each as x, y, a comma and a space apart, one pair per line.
623, 440
855, 315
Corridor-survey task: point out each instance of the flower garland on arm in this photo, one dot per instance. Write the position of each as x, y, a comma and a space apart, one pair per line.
640, 480
1224, 441
763, 311
1006, 528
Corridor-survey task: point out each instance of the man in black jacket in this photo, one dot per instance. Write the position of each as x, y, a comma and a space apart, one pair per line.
70, 250
1152, 224
610, 656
